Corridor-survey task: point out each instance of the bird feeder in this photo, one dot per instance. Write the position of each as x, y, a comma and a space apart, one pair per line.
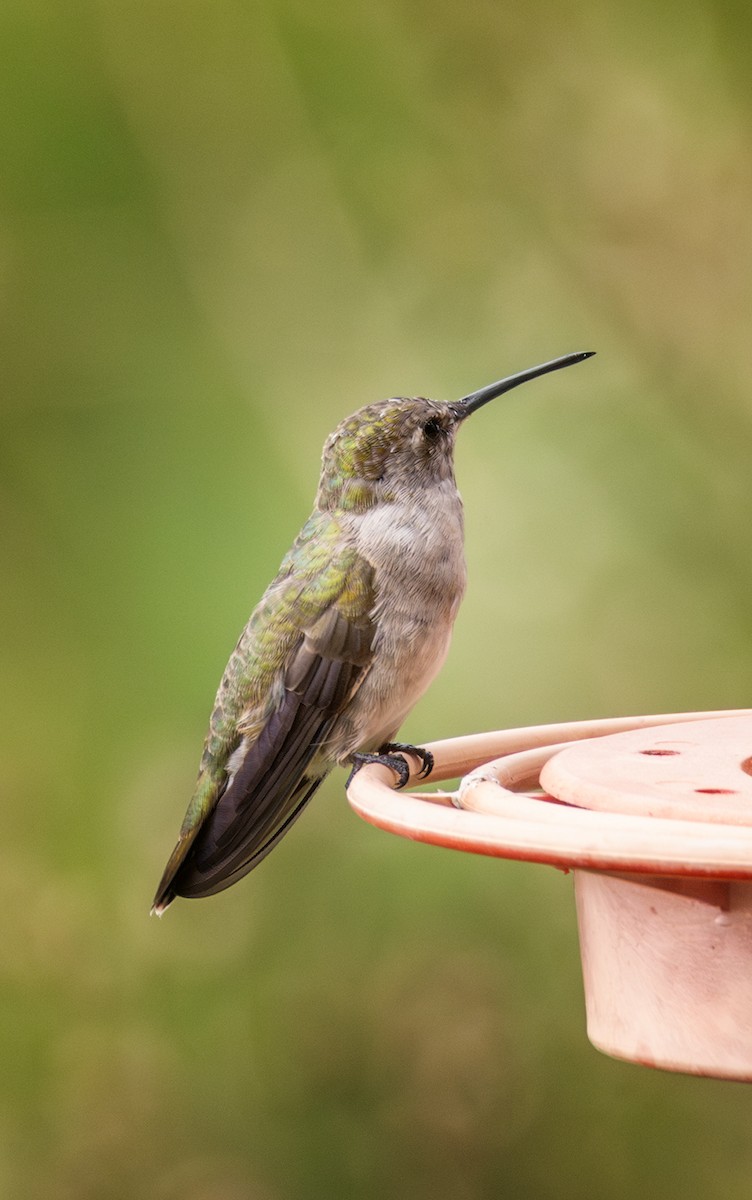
653, 815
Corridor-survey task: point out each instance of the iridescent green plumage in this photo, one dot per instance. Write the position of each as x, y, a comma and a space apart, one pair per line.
321, 583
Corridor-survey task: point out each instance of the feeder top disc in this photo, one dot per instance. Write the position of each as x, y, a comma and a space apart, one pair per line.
691, 772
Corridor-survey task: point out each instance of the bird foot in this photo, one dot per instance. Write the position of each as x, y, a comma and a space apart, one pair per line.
392, 755
425, 756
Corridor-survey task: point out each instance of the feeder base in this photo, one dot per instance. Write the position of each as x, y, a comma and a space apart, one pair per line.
667, 967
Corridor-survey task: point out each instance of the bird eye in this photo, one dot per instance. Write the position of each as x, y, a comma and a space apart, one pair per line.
432, 429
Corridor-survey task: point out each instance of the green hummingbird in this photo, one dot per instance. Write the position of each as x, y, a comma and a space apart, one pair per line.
344, 641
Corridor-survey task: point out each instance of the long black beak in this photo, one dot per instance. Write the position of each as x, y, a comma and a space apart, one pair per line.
468, 404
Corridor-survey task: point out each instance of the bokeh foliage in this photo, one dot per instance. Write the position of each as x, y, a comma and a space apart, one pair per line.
224, 226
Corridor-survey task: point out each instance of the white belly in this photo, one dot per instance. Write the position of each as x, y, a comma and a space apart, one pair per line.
420, 575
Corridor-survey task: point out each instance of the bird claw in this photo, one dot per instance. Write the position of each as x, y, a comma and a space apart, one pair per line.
425, 756
396, 762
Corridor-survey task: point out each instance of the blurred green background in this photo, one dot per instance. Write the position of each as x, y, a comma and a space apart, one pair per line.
223, 227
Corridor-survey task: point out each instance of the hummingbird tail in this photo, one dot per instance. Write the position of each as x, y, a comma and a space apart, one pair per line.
201, 877
166, 893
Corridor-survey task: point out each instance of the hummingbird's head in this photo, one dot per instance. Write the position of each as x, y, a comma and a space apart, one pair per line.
386, 450
398, 447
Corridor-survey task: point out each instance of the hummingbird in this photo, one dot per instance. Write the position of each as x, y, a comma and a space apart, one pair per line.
344, 641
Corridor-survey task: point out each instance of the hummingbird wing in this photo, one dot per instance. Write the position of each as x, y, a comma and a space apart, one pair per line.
268, 726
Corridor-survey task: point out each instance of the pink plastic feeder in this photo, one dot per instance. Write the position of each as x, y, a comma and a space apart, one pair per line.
654, 815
